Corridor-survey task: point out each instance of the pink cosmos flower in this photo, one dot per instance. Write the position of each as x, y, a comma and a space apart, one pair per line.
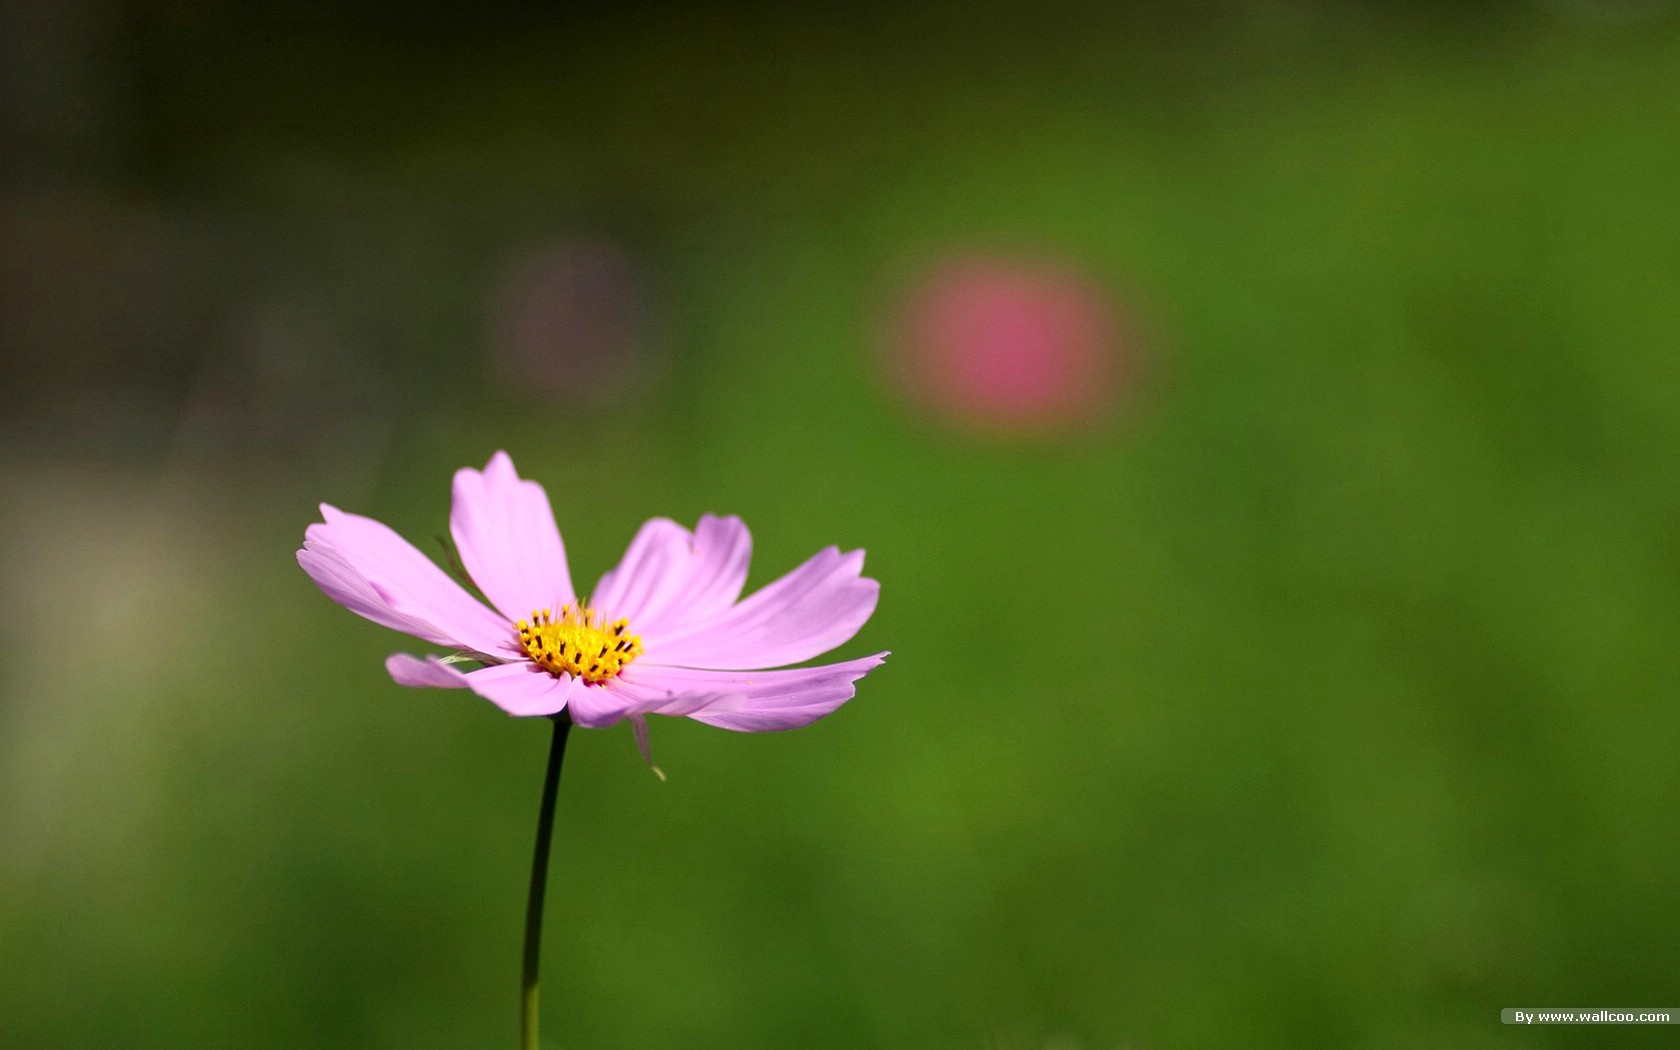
666, 632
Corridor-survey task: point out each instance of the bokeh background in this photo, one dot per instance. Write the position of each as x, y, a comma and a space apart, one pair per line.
1263, 417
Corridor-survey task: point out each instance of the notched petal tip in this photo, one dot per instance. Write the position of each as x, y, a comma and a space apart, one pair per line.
365, 566
671, 577
818, 606
507, 539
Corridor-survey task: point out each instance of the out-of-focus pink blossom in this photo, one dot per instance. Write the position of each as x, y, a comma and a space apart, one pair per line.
989, 343
573, 320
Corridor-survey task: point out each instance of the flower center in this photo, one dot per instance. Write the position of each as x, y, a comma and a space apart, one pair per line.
580, 642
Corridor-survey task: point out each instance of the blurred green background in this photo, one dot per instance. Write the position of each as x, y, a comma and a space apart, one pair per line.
1320, 692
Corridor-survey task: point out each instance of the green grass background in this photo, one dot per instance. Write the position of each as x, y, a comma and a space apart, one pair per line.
1328, 698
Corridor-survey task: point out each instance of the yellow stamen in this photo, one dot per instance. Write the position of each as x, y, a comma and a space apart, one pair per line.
580, 642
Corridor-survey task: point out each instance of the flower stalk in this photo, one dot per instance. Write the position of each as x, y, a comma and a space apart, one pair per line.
529, 997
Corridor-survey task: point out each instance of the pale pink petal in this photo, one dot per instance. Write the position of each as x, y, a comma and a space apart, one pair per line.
670, 578
746, 701
344, 585
649, 563
598, 706
429, 672
366, 567
806, 613
522, 688
504, 529
519, 687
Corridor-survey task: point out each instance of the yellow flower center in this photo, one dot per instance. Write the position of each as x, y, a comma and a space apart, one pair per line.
580, 642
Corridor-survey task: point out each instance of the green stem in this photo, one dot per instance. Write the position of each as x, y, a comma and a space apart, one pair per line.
528, 998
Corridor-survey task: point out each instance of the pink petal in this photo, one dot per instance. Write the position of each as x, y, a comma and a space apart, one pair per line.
504, 529
749, 701
367, 568
806, 613
522, 688
598, 706
430, 672
519, 687
670, 578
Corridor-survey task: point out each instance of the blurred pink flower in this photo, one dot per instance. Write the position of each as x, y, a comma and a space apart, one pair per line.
1016, 346
574, 319
666, 632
